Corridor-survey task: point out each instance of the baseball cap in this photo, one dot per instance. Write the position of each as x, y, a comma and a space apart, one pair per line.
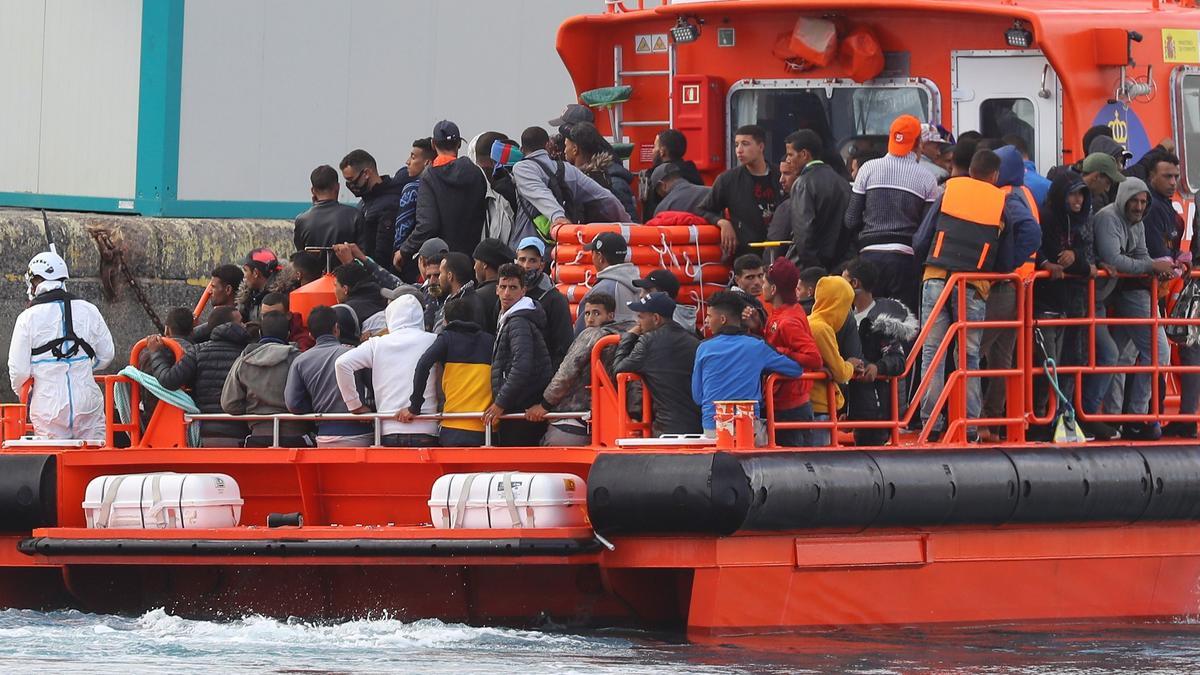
657, 303
903, 135
659, 280
936, 134
784, 275
262, 259
612, 245
574, 113
533, 242
493, 252
663, 171
1105, 164
432, 247
446, 132
404, 289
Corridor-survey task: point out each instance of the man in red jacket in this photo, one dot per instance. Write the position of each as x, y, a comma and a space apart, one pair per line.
788, 332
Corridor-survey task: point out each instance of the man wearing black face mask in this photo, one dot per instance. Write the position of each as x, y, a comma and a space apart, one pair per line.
531, 256
380, 203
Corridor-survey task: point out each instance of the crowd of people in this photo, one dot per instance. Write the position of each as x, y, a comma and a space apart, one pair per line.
445, 307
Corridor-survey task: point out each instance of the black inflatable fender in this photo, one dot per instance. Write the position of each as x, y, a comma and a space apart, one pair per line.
1174, 482
667, 492
28, 492
1079, 484
798, 490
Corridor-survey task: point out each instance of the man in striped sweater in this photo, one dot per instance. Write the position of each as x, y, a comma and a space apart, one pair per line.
887, 203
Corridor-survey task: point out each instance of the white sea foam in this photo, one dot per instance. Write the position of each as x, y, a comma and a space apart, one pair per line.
157, 641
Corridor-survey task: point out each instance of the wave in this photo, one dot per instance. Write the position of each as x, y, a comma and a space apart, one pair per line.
158, 641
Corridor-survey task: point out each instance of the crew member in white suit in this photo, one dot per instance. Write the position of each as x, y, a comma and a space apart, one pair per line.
57, 343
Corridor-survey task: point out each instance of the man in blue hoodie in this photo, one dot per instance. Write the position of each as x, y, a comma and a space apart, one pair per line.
730, 365
1022, 239
1038, 184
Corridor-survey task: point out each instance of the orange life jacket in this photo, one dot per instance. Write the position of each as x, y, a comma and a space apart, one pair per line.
968, 226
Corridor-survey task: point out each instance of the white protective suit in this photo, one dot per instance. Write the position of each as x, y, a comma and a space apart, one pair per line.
65, 401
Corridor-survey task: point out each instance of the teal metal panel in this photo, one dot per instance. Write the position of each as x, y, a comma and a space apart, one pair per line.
158, 105
199, 208
32, 200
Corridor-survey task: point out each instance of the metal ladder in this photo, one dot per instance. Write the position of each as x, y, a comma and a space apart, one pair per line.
617, 120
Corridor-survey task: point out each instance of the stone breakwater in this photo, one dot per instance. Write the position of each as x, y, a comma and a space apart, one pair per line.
170, 257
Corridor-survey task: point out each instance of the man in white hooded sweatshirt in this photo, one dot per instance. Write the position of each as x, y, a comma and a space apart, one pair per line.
57, 343
392, 359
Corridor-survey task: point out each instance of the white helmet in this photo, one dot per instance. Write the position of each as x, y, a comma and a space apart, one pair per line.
48, 265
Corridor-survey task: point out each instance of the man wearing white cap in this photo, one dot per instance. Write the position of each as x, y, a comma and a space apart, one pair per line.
57, 343
531, 256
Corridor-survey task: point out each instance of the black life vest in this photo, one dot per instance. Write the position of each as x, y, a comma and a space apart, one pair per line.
968, 226
70, 344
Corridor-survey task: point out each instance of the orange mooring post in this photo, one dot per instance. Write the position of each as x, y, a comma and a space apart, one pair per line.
313, 294
735, 424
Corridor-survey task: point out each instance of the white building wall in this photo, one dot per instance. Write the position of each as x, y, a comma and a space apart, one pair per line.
274, 88
70, 82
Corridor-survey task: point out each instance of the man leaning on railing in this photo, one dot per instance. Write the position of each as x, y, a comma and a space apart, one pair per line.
1121, 243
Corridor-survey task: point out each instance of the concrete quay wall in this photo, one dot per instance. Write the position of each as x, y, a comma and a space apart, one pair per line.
171, 258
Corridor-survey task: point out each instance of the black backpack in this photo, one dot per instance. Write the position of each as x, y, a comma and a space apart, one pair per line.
1187, 306
576, 212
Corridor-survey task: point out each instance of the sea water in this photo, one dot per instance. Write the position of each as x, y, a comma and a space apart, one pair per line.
157, 642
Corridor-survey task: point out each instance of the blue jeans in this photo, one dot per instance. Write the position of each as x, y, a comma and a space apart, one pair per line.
976, 308
409, 441
460, 438
821, 437
1096, 386
1135, 304
795, 438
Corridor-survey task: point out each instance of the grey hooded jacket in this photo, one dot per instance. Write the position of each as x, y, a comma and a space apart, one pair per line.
255, 386
1119, 242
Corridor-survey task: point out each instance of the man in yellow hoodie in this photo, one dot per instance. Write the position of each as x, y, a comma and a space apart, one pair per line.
831, 306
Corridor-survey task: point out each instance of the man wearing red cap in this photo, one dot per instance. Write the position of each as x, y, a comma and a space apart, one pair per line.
260, 267
887, 204
789, 333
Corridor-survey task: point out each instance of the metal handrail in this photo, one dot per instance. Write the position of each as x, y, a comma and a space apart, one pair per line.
376, 419
1021, 410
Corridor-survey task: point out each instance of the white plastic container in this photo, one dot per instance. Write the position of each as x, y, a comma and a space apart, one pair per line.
163, 501
508, 500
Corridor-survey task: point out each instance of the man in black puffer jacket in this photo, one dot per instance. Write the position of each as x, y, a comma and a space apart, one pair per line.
520, 361
452, 199
204, 370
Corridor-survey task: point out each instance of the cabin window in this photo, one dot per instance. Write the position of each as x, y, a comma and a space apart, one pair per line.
840, 114
999, 117
1188, 129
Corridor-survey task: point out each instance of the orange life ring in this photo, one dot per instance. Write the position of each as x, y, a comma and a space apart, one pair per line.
678, 254
704, 273
138, 346
640, 235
